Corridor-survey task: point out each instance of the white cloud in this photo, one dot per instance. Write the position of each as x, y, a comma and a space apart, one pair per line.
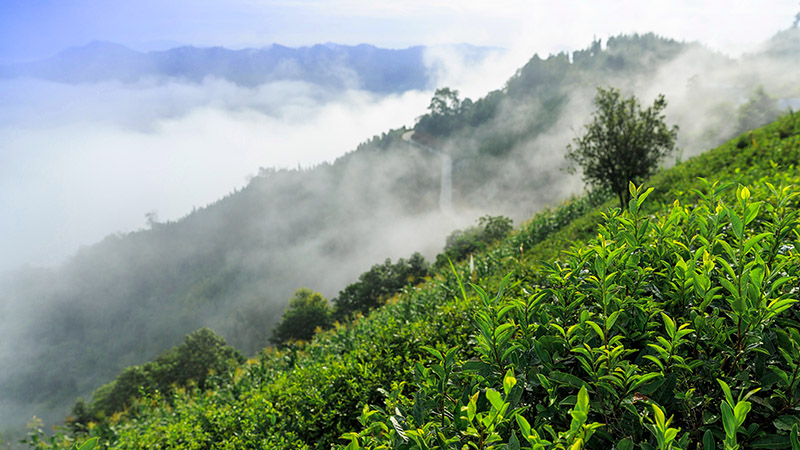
74, 171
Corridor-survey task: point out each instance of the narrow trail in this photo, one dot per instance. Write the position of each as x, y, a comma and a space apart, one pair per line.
446, 189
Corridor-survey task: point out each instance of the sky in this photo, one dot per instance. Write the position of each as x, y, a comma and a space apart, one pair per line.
37, 28
80, 162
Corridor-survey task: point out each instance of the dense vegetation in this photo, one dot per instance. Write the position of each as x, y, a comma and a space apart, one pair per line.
675, 324
379, 283
462, 243
672, 312
201, 354
231, 267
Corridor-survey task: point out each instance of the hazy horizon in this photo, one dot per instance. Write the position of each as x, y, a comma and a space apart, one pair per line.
31, 30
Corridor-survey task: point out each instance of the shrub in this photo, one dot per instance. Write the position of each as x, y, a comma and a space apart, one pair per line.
308, 310
461, 243
379, 283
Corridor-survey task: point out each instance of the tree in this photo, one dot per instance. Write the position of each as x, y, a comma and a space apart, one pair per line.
445, 102
445, 116
461, 243
622, 143
152, 219
308, 310
201, 353
759, 110
377, 284
495, 227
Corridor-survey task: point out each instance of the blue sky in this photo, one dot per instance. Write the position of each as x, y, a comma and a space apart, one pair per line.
32, 29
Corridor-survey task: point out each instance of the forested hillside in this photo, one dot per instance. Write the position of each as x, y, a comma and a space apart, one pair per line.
233, 265
672, 323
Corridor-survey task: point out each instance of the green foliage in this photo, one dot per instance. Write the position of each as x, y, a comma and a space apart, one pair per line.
379, 283
234, 265
495, 227
622, 144
90, 444
462, 243
616, 340
308, 310
202, 354
445, 108
639, 319
445, 102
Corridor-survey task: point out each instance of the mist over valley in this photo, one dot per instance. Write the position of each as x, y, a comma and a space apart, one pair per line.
201, 187
115, 150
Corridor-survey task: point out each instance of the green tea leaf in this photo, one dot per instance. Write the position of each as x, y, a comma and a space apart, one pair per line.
736, 225
740, 412
729, 420
754, 240
727, 391
434, 352
524, 426
669, 325
643, 196
494, 398
597, 329
708, 441
624, 444
509, 381
89, 444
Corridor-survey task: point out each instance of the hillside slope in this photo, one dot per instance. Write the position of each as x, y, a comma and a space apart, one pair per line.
603, 322
233, 265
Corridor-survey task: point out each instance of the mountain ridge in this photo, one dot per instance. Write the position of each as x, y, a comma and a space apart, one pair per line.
362, 66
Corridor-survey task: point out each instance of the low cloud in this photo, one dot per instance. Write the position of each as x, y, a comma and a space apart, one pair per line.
82, 161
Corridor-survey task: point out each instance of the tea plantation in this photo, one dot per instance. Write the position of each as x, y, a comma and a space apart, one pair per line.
673, 324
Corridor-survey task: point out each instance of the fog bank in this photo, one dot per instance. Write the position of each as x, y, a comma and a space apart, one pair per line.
81, 161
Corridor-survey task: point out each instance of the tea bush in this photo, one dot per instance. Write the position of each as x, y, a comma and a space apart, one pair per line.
657, 315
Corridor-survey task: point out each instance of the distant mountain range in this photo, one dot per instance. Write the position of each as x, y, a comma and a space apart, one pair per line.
340, 66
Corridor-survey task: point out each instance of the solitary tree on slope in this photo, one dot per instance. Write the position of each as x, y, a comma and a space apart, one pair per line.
622, 143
